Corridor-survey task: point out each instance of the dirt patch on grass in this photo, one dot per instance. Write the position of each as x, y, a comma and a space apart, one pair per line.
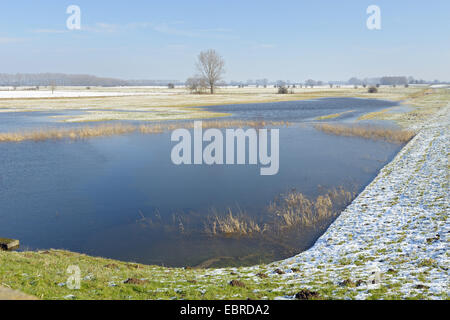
306, 295
135, 281
237, 283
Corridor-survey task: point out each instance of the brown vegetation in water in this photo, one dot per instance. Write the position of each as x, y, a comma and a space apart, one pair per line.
67, 133
290, 210
368, 132
212, 124
287, 212
294, 209
118, 129
233, 224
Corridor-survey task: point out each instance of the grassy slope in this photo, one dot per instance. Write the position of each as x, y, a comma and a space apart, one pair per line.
43, 273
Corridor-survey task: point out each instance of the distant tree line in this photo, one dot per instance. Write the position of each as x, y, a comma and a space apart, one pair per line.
388, 81
58, 79
61, 79
195, 83
150, 83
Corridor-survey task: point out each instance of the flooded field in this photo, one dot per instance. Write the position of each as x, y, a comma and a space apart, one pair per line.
122, 197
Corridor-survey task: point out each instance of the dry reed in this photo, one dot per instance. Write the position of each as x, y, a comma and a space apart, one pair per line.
334, 115
118, 129
289, 211
67, 133
294, 209
232, 225
368, 132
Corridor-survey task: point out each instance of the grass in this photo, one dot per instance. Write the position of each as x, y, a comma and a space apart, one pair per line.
232, 225
425, 103
368, 132
159, 104
164, 104
294, 209
333, 116
288, 211
63, 133
44, 275
118, 129
374, 115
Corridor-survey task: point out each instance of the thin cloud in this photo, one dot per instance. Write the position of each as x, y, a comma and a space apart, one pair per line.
6, 40
113, 28
219, 33
101, 27
173, 28
167, 29
266, 45
138, 25
52, 31
177, 46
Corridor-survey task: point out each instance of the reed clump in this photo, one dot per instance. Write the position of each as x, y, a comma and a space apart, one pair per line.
295, 209
153, 129
233, 225
118, 129
368, 132
244, 123
288, 211
67, 133
212, 124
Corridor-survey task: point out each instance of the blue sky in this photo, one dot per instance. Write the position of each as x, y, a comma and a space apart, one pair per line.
295, 40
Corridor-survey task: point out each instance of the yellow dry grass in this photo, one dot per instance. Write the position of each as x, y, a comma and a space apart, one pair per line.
118, 129
368, 132
334, 115
289, 211
374, 115
425, 102
294, 208
65, 133
159, 104
170, 103
232, 225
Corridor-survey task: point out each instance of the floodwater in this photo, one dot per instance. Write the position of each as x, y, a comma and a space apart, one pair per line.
97, 196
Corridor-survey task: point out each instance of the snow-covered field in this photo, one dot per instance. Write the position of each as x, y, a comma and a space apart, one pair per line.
33, 94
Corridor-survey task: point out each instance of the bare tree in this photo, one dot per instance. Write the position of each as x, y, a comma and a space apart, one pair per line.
196, 84
211, 66
265, 82
311, 83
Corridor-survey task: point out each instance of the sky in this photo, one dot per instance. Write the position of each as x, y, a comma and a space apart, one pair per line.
278, 40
